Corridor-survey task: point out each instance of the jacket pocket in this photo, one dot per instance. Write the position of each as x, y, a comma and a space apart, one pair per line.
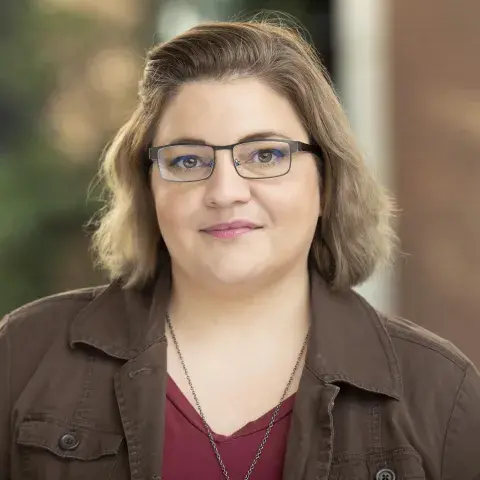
53, 450
398, 464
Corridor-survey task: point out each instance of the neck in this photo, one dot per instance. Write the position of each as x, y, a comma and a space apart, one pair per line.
282, 305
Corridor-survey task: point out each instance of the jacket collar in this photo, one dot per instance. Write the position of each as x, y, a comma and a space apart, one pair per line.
348, 340
123, 323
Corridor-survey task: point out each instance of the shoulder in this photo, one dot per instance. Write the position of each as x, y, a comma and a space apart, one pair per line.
48, 312
428, 363
415, 343
445, 385
442, 385
421, 354
27, 332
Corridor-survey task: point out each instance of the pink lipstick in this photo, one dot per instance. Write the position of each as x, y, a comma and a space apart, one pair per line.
230, 229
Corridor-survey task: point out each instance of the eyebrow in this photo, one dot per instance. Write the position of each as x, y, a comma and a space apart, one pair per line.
251, 136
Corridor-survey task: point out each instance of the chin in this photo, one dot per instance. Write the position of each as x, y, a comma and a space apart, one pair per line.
234, 272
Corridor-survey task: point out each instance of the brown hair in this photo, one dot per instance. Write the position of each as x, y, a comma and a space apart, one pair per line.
354, 233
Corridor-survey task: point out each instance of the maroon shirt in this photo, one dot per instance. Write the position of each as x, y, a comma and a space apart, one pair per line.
188, 453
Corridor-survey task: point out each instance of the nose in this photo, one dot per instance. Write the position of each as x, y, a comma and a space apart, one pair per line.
226, 187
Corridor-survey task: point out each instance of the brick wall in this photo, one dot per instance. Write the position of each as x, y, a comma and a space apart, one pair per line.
436, 90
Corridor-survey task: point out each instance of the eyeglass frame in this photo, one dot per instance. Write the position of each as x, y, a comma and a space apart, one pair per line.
295, 146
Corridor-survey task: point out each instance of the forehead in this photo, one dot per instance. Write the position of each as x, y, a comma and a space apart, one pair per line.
222, 112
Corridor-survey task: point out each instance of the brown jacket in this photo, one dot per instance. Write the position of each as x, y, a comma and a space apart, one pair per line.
82, 393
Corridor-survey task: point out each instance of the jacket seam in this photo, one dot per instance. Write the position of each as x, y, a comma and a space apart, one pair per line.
63, 423
454, 406
80, 297
313, 373
463, 368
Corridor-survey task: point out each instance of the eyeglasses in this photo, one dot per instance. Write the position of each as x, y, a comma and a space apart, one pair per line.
255, 159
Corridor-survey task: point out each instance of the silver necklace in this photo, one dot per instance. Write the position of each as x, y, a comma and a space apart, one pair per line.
210, 435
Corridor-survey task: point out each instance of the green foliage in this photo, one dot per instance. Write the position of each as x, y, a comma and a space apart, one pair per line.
43, 193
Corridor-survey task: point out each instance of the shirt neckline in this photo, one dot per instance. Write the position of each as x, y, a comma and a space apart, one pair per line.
183, 405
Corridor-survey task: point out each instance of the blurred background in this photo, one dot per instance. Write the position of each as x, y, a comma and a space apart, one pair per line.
407, 72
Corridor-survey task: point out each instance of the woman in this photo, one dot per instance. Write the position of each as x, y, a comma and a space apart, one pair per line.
230, 343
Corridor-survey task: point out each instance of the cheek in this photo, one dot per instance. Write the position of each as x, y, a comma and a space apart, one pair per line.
175, 207
310, 192
296, 201
306, 204
165, 205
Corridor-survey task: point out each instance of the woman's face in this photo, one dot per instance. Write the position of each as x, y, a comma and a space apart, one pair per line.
283, 210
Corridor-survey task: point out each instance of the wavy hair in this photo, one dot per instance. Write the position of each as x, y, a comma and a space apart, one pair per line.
353, 235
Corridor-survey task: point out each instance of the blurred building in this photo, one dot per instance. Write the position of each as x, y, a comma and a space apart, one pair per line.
435, 77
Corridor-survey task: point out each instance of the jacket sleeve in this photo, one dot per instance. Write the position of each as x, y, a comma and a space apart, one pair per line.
461, 459
5, 399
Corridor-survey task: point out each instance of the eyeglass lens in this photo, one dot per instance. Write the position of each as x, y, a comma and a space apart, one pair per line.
261, 159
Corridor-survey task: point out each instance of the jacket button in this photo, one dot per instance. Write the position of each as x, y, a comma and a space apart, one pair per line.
385, 474
69, 441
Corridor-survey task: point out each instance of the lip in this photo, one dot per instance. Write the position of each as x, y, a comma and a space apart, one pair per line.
231, 225
230, 229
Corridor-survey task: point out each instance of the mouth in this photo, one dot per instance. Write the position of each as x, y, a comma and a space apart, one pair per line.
230, 230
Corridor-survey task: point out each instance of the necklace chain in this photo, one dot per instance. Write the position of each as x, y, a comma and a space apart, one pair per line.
209, 431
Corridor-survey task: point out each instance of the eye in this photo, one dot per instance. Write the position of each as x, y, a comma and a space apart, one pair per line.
268, 155
186, 161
